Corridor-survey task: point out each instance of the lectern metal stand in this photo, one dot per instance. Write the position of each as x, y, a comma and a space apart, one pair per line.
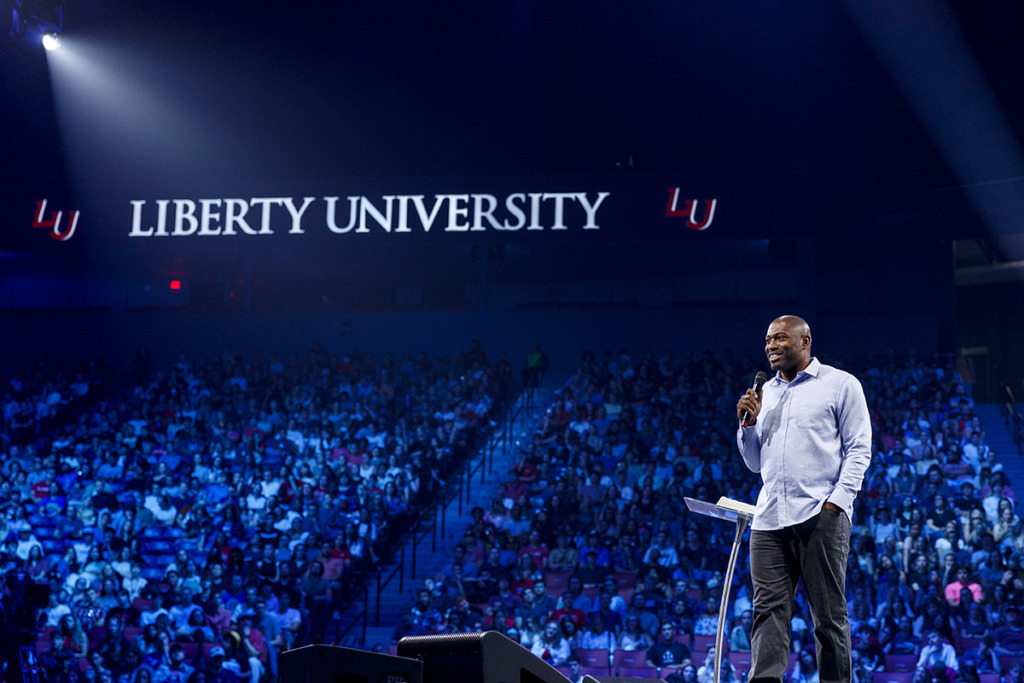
742, 521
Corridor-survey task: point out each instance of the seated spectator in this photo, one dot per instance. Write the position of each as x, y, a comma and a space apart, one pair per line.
667, 556
135, 583
963, 581
58, 661
319, 596
706, 623
575, 672
75, 639
564, 557
739, 637
195, 629
113, 646
156, 647
529, 607
425, 613
271, 630
536, 550
216, 671
252, 648
551, 645
289, 618
528, 634
706, 671
634, 636
125, 610
455, 622
407, 626
1010, 636
976, 624
934, 617
504, 596
523, 577
573, 597
570, 631
567, 609
591, 574
983, 659
936, 653
807, 667
176, 670
1007, 524
667, 652
598, 636
215, 615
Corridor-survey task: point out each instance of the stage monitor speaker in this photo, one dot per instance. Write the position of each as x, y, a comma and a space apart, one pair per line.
488, 657
334, 664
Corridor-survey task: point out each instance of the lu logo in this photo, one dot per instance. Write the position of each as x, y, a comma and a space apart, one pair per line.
55, 221
690, 210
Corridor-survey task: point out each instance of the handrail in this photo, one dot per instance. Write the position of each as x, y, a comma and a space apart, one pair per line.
1014, 419
361, 616
380, 586
427, 521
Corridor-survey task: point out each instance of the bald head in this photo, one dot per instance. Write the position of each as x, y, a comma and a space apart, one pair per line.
788, 345
795, 324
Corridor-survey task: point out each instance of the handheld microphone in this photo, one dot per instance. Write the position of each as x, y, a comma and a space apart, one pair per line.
759, 380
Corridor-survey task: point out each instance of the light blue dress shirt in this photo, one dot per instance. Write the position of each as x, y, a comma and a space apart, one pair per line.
811, 444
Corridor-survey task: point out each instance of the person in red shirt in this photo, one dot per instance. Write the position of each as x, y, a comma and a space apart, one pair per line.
536, 549
217, 618
523, 580
43, 488
578, 616
252, 641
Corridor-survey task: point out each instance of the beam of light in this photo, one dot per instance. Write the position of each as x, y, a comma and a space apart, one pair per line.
926, 54
51, 41
127, 118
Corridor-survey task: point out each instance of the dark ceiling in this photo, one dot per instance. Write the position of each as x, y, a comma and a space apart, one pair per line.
520, 87
704, 88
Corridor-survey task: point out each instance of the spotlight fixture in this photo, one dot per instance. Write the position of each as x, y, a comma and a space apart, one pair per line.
51, 40
35, 21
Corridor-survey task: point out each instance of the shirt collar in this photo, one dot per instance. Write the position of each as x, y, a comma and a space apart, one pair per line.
812, 370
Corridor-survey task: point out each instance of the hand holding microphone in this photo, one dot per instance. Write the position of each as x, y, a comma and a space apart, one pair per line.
749, 404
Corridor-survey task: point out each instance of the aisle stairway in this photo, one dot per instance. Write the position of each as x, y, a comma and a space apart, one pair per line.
432, 553
1000, 439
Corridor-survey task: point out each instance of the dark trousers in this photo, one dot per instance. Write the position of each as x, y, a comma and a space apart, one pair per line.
815, 550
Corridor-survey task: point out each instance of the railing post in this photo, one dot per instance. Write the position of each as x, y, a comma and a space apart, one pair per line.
401, 575
415, 545
444, 517
366, 615
462, 487
376, 618
433, 528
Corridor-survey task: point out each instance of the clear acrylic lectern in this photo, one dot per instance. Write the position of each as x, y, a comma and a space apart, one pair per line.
730, 511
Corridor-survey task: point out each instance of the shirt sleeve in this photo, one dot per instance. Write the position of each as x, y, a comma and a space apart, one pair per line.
855, 436
749, 443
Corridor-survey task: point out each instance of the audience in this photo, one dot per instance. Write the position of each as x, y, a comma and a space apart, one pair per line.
209, 517
937, 558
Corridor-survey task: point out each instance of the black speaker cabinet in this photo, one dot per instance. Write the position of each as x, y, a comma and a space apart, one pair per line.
333, 664
488, 657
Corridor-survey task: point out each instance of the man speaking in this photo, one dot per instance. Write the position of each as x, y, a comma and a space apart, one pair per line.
809, 435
